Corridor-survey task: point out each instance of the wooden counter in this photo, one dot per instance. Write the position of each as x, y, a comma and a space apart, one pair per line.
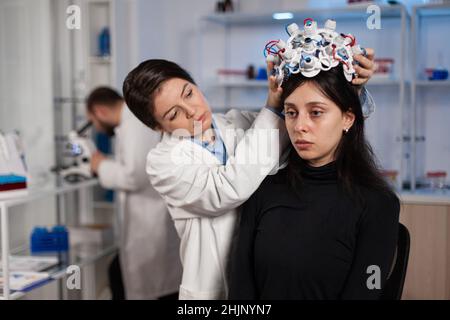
427, 218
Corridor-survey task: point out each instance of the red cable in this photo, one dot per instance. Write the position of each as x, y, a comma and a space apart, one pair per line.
272, 43
269, 49
351, 44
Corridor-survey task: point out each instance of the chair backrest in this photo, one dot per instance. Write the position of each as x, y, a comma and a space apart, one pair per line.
393, 287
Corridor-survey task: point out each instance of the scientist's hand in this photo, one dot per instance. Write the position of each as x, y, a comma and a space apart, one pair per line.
96, 159
366, 67
274, 96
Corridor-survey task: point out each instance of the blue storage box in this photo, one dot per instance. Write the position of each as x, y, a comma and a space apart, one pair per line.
55, 240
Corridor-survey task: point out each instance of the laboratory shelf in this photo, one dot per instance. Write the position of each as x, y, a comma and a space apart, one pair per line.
433, 10
346, 12
100, 60
225, 109
60, 100
264, 84
81, 255
13, 295
420, 15
50, 187
102, 2
104, 205
243, 83
383, 82
433, 83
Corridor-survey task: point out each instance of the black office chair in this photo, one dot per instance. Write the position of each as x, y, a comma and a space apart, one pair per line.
393, 287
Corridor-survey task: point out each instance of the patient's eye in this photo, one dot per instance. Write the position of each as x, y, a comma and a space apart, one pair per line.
290, 114
189, 94
316, 113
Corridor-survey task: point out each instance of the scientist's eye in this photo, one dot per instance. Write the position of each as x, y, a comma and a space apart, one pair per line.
290, 114
173, 116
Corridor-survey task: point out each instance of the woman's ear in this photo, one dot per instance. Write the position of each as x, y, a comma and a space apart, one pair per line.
349, 119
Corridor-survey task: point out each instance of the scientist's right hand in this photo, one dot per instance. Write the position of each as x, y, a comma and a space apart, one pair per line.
96, 159
275, 91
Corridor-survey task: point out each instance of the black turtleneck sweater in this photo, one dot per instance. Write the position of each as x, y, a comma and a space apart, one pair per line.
314, 244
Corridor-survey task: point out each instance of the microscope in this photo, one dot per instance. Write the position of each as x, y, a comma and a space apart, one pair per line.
79, 150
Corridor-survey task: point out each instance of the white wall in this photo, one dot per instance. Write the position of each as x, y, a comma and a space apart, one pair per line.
26, 99
126, 34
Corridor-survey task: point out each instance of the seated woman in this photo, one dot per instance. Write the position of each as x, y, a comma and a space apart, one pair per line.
320, 227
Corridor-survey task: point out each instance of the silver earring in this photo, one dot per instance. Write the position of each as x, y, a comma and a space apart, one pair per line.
346, 130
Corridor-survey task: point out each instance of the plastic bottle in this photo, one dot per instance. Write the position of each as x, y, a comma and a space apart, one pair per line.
104, 42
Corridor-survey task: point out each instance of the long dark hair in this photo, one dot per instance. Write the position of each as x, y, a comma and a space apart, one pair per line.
355, 160
142, 83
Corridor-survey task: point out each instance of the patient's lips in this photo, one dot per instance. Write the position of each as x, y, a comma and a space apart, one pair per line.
303, 144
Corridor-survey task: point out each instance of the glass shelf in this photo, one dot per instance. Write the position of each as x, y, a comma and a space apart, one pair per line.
433, 83
433, 10
80, 255
49, 187
39, 188
263, 83
100, 59
348, 12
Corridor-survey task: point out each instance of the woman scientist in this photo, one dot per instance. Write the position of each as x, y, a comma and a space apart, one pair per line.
322, 226
201, 167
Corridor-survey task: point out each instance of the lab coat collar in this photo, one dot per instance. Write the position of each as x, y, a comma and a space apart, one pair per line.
227, 131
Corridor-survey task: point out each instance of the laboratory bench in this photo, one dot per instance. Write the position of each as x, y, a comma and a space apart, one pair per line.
426, 214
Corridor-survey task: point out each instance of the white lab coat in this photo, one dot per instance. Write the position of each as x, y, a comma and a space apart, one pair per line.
203, 196
149, 244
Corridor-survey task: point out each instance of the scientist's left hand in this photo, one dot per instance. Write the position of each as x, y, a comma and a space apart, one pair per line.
275, 91
96, 159
366, 67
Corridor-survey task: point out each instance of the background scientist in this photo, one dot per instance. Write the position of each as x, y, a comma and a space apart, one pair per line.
149, 244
